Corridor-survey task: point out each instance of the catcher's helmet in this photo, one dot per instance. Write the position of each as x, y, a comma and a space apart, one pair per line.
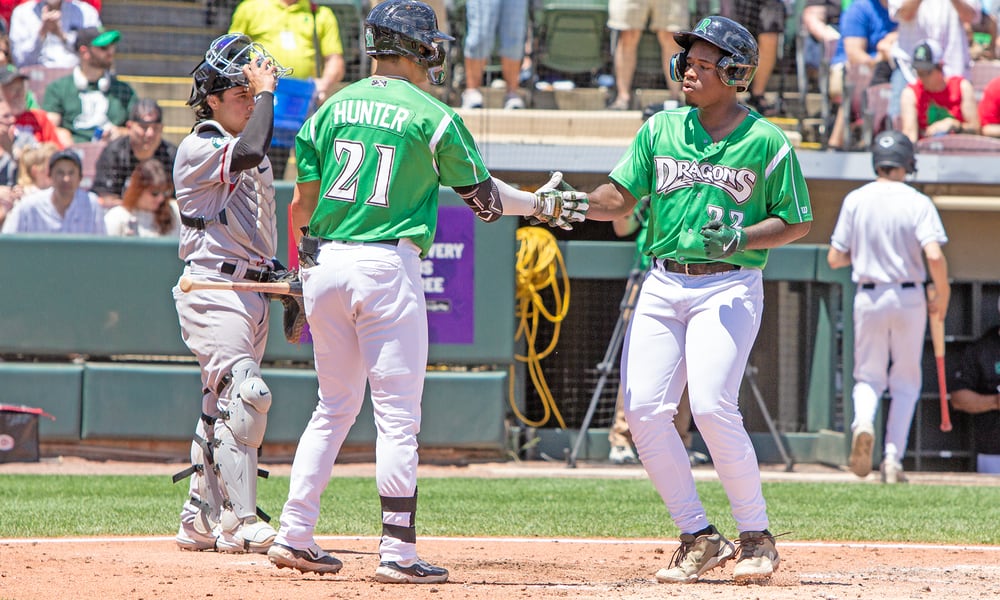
407, 28
739, 63
223, 66
893, 149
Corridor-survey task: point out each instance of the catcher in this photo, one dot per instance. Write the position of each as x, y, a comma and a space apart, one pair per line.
225, 193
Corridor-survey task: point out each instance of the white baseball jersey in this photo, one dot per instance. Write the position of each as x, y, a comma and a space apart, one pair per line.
36, 214
207, 188
885, 225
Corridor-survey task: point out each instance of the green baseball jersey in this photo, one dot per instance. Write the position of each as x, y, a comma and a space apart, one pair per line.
748, 176
381, 149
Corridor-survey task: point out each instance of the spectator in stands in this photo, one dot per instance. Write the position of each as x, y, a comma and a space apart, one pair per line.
147, 209
821, 20
33, 168
32, 123
766, 21
90, 103
10, 192
44, 32
976, 390
940, 20
989, 109
936, 104
289, 29
120, 158
630, 18
867, 38
63, 208
485, 21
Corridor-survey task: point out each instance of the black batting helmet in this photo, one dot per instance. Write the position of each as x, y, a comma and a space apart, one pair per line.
739, 63
223, 65
407, 28
893, 149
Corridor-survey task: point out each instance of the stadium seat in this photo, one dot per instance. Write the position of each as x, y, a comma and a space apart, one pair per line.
572, 36
40, 77
89, 153
981, 73
876, 111
961, 143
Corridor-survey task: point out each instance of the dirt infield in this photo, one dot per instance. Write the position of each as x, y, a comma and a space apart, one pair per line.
544, 569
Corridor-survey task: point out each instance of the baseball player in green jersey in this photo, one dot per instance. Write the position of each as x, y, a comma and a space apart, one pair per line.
370, 164
724, 187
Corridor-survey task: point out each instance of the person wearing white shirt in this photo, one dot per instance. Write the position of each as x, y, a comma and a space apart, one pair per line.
147, 210
43, 32
62, 208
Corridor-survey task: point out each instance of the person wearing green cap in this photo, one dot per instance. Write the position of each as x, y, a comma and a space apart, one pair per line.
90, 103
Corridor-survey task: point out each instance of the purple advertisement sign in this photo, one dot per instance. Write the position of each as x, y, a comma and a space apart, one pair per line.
449, 282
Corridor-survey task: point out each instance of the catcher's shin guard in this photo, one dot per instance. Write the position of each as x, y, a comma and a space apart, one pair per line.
203, 508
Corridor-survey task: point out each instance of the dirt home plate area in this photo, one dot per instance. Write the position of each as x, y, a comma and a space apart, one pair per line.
484, 568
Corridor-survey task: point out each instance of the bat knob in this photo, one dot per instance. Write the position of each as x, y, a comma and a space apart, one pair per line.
185, 284
945, 428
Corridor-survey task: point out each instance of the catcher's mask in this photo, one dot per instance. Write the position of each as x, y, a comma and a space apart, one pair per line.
739, 62
223, 65
407, 28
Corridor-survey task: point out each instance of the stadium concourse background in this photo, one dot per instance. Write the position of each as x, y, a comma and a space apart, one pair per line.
803, 354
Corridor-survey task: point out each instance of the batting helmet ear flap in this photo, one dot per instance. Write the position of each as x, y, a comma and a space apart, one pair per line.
678, 65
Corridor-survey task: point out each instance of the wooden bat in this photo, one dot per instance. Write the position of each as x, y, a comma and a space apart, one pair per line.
186, 284
937, 338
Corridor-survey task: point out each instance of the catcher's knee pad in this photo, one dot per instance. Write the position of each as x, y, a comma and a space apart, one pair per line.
249, 402
399, 517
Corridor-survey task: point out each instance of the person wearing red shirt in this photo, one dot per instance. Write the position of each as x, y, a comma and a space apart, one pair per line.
14, 91
935, 104
989, 109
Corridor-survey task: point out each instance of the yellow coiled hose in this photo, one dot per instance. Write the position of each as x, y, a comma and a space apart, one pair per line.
540, 266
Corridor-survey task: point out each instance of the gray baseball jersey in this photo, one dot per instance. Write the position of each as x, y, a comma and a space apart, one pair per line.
206, 188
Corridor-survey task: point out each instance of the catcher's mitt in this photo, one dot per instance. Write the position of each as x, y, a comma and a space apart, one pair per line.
294, 318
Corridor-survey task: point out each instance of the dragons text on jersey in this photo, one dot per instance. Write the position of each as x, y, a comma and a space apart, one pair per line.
673, 174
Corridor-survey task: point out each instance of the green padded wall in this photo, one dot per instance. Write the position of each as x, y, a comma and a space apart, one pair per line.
162, 402
55, 388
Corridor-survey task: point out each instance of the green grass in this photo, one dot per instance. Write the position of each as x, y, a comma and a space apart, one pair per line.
64, 505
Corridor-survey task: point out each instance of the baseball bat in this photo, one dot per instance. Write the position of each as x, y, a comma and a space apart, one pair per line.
937, 338
186, 284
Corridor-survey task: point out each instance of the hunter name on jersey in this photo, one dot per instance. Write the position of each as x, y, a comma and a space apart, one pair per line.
372, 114
673, 174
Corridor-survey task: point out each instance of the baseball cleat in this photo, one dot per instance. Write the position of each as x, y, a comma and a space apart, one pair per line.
253, 536
189, 538
758, 558
892, 471
419, 571
311, 560
861, 450
622, 455
695, 556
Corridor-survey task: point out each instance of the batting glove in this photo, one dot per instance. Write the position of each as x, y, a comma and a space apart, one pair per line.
721, 240
559, 207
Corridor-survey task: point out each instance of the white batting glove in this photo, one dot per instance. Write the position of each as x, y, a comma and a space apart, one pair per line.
560, 208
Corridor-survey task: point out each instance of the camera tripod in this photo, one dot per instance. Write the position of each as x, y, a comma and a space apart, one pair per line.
605, 367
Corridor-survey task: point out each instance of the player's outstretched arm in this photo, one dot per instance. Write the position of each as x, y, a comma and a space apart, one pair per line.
609, 202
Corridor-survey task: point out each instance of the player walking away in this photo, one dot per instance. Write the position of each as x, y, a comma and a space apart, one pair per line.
884, 231
225, 194
370, 163
724, 187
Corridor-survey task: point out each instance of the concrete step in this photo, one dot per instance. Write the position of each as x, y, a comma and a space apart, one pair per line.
117, 14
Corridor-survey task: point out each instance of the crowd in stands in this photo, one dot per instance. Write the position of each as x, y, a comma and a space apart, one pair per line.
924, 51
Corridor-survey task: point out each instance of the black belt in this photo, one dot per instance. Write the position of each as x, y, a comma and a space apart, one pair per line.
202, 222
261, 275
904, 285
695, 268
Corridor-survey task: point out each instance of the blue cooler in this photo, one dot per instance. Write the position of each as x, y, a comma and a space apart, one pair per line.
292, 101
